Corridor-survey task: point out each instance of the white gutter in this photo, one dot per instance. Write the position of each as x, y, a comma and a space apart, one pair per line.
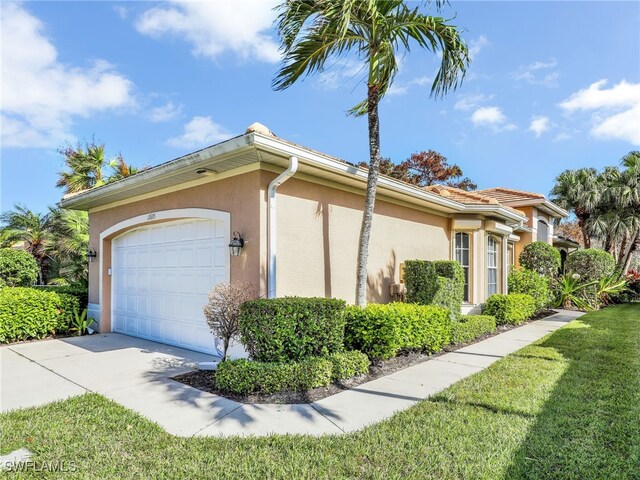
272, 217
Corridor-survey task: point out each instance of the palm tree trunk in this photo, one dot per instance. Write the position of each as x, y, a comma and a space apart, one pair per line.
633, 246
623, 250
373, 97
586, 239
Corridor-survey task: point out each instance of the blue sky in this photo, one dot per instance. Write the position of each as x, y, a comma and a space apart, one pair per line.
552, 85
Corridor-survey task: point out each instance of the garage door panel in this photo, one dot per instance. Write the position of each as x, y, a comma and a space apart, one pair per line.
161, 279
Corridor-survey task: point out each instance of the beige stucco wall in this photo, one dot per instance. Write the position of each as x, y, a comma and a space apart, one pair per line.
240, 196
318, 231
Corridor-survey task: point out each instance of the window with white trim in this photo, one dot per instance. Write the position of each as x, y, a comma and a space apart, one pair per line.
492, 265
461, 254
543, 232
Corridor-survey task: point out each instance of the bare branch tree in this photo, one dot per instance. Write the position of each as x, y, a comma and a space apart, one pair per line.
222, 311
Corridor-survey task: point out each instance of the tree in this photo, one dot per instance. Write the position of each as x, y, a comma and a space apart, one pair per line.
313, 32
34, 229
579, 191
121, 169
569, 229
222, 311
71, 241
426, 168
85, 166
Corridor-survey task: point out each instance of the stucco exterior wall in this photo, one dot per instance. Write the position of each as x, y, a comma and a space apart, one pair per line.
318, 231
240, 196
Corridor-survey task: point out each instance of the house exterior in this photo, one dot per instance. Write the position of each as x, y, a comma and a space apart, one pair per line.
161, 236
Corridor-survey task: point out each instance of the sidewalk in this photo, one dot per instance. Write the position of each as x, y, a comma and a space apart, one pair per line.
135, 373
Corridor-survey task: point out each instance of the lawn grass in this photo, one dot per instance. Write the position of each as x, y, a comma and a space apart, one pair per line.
566, 407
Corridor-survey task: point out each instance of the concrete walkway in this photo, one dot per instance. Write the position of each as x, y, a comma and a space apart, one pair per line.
135, 373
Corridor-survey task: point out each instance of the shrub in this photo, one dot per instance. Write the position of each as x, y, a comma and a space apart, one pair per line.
381, 331
292, 328
79, 291
541, 257
28, 313
244, 376
591, 264
348, 364
526, 281
222, 311
18, 268
435, 283
420, 280
513, 308
2, 284
471, 327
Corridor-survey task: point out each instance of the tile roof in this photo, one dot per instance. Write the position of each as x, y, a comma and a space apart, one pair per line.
468, 198
509, 195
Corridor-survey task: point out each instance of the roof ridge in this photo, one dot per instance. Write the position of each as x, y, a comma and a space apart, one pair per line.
512, 190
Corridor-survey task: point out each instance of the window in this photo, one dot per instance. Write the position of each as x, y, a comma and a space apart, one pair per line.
510, 255
492, 265
543, 232
461, 250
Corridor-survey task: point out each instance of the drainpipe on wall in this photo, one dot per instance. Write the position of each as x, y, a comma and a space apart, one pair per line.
271, 238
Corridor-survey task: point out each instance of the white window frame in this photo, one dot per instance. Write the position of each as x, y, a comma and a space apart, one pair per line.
495, 266
460, 249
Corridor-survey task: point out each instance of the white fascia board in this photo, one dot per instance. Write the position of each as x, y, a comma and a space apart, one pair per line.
497, 227
328, 163
159, 171
498, 210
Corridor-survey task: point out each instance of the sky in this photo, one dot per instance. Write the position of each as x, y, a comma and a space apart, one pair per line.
551, 86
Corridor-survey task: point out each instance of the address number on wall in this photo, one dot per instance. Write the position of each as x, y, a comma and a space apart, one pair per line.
151, 216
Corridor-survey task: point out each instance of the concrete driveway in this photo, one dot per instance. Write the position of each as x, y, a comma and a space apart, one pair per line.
131, 371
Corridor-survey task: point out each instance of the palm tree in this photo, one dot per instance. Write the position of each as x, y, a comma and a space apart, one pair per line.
313, 32
71, 233
34, 229
85, 168
579, 191
121, 169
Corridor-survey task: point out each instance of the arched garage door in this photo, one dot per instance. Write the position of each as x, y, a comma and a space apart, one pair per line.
161, 275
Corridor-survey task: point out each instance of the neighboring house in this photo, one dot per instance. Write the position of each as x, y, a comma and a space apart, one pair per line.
162, 235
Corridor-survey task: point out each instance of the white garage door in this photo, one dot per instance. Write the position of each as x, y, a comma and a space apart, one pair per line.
161, 276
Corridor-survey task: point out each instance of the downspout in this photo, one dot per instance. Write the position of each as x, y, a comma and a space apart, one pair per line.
272, 217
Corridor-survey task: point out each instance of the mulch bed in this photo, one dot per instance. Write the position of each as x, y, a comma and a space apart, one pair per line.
205, 380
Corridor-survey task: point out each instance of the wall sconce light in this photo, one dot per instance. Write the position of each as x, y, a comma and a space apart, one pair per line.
235, 247
91, 254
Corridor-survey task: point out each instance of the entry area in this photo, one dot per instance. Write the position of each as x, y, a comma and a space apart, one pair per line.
161, 275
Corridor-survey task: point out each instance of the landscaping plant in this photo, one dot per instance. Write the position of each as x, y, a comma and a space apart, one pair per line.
222, 311
80, 323
512, 309
522, 280
541, 258
18, 268
591, 264
471, 327
571, 293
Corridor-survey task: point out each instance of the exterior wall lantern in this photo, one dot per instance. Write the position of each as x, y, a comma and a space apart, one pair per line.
91, 255
235, 247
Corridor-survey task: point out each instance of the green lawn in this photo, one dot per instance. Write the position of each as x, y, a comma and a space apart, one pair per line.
567, 407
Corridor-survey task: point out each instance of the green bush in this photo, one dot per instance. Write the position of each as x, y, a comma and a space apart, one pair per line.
591, 264
18, 268
26, 313
421, 281
244, 376
541, 257
522, 280
435, 283
291, 328
471, 327
348, 364
2, 283
513, 308
79, 291
382, 331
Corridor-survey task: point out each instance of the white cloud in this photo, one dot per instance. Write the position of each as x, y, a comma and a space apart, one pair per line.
41, 97
469, 102
561, 137
539, 125
121, 11
539, 73
165, 112
241, 27
492, 117
615, 110
199, 132
476, 45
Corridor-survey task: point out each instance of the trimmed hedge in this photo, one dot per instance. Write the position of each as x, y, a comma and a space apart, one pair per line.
244, 376
513, 308
435, 283
471, 327
291, 328
78, 291
542, 258
526, 281
382, 331
592, 264
26, 313
18, 268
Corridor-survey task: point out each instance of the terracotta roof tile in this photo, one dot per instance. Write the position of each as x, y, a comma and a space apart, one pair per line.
469, 198
509, 195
